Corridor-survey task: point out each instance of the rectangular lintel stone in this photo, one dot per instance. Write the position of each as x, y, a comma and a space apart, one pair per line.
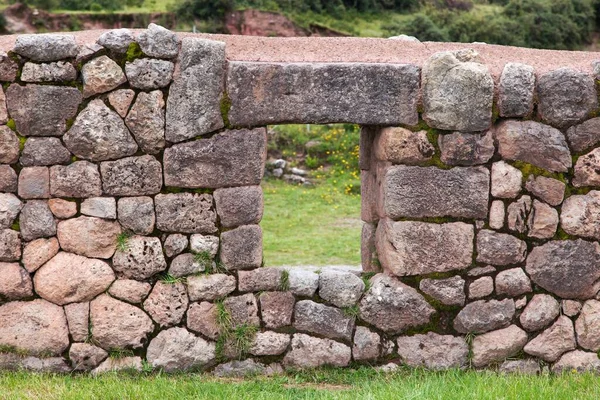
319, 93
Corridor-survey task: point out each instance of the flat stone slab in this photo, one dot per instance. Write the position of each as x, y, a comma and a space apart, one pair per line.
369, 94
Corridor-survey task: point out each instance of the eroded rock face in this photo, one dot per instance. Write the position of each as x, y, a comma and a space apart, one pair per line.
101, 75
499, 248
457, 92
311, 352
167, 303
466, 149
176, 349
498, 345
146, 120
483, 316
132, 176
400, 246
588, 326
449, 291
554, 341
402, 146
36, 327
433, 351
517, 84
118, 325
322, 320
342, 289
567, 268
158, 42
393, 306
69, 278
185, 212
141, 258
89, 236
149, 74
533, 143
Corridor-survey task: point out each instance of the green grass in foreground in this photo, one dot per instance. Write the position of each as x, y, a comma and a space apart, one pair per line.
362, 383
310, 225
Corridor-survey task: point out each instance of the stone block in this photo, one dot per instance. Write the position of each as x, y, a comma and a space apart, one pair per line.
80, 179
499, 248
342, 289
498, 345
78, 318
433, 351
276, 309
132, 176
89, 236
149, 73
402, 146
260, 279
448, 291
44, 151
466, 149
36, 220
141, 258
241, 248
8, 179
136, 214
185, 212
61, 71
34, 183
101, 207
515, 92
239, 206
484, 316
46, 47
311, 352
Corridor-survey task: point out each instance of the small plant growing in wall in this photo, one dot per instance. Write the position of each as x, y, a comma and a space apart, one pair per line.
352, 311
123, 241
170, 279
203, 259
284, 283
239, 338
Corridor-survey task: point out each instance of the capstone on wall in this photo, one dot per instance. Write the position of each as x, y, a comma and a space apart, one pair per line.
130, 204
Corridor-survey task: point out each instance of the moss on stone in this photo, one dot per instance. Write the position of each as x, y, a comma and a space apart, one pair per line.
530, 169
12, 125
134, 51
225, 107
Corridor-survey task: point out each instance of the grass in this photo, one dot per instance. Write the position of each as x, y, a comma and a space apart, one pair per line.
123, 241
360, 383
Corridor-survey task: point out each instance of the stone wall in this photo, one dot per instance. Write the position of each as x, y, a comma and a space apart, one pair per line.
130, 207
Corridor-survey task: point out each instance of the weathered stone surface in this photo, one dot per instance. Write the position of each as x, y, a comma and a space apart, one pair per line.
506, 180
577, 360
87, 51
415, 248
202, 318
78, 319
241, 369
518, 214
269, 343
570, 308
9, 146
8, 68
276, 309
550, 190
85, 357
554, 341
175, 243
368, 255
417, 192
457, 92
541, 310
146, 120
158, 42
45, 365
10, 245
136, 214
149, 73
117, 40
10, 207
60, 71
433, 351
130, 290
239, 206
543, 221
515, 97
478, 271
36, 253
242, 310
259, 280
315, 93
497, 214
186, 264
230, 158
194, 101
533, 143
113, 364
101, 207
392, 306
586, 169
42, 110
481, 287
484, 316
8, 179
69, 278
89, 236
584, 136
44, 151
588, 326
204, 244
241, 248
210, 287
62, 209
580, 215
466, 148
99, 134
401, 146
185, 212
3, 110
303, 282
15, 282
121, 100
36, 220
512, 282
167, 303
118, 325
568, 268
499, 248
366, 345
449, 291
34, 183
176, 349
80, 179
521, 367
37, 327
142, 258
46, 47
132, 176
566, 97
311, 352
497, 345
342, 289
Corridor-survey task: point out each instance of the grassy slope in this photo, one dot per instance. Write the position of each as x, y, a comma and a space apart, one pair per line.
363, 383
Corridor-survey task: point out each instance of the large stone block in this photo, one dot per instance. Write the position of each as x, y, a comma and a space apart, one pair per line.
167, 303
433, 351
194, 101
566, 97
415, 248
417, 192
142, 258
554, 341
80, 179
323, 320
176, 349
15, 282
146, 120
241, 248
34, 183
533, 143
46, 47
132, 176
313, 93
541, 310
517, 84
89, 236
483, 316
231, 158
498, 345
42, 110
311, 352
185, 212
458, 92
239, 206
44, 151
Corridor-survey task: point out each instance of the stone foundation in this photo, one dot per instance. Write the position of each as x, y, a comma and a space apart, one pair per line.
130, 205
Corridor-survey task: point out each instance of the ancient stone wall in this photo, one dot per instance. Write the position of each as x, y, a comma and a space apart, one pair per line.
130, 204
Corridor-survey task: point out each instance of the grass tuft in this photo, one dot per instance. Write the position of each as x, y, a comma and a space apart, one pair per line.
123, 241
352, 311
239, 338
170, 279
4, 348
284, 283
120, 353
204, 259
366, 278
